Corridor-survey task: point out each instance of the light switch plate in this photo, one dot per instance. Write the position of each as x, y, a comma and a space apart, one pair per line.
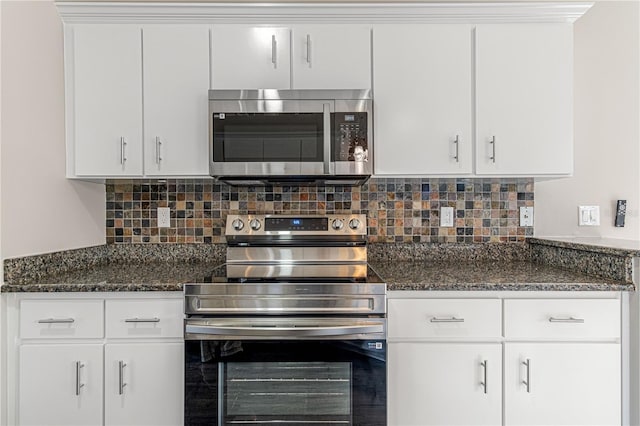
164, 217
589, 215
526, 216
446, 216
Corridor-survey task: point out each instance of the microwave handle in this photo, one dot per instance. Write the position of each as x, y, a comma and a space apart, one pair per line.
326, 110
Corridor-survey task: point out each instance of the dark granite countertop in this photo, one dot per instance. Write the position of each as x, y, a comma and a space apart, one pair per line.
150, 276
399, 275
514, 275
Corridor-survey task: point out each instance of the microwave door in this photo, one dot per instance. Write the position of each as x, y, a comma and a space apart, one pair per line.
271, 137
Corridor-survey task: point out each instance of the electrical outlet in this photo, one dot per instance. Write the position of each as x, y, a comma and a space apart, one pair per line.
446, 216
526, 216
589, 215
164, 217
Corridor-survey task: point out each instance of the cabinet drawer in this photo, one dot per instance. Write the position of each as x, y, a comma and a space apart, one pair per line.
433, 318
61, 319
144, 318
566, 319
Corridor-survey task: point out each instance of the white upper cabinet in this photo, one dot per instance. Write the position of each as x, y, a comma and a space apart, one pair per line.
298, 57
331, 57
104, 99
250, 57
524, 79
423, 99
176, 82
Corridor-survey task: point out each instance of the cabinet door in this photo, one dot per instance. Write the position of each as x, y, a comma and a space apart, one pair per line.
104, 89
524, 99
144, 384
250, 57
423, 104
444, 384
568, 384
331, 57
60, 385
176, 82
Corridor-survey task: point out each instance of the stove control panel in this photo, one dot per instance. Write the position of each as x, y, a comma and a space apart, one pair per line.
332, 224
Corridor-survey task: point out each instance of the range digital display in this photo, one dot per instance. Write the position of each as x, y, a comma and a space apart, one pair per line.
296, 224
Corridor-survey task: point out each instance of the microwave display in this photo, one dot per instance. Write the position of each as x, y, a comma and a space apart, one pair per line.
351, 137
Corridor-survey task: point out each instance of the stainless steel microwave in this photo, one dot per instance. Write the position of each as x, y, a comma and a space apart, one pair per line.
321, 137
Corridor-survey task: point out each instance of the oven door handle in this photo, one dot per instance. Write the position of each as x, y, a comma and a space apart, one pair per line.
273, 332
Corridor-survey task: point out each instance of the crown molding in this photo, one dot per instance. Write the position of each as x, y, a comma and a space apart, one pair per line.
290, 13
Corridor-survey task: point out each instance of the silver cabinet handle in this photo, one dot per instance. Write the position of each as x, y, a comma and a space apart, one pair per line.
568, 320
485, 367
527, 382
56, 321
274, 51
326, 109
457, 143
121, 383
493, 149
79, 365
123, 155
158, 146
452, 319
273, 332
136, 319
309, 50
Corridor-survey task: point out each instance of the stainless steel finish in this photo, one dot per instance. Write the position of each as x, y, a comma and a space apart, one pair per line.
158, 145
354, 223
285, 271
79, 385
485, 367
527, 382
255, 224
284, 328
221, 395
567, 320
337, 224
452, 319
457, 143
136, 320
122, 153
234, 219
121, 383
237, 224
56, 321
326, 135
309, 50
283, 101
284, 299
493, 147
277, 422
297, 255
274, 51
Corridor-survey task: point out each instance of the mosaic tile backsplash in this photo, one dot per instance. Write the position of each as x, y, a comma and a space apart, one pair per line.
398, 210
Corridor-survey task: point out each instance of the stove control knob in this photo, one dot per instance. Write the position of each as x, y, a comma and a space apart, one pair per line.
237, 224
337, 224
255, 224
354, 223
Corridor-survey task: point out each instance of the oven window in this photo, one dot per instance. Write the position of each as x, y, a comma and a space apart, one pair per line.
287, 390
274, 137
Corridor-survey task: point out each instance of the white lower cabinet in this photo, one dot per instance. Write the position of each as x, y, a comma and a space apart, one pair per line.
143, 384
70, 372
560, 356
562, 384
443, 378
60, 384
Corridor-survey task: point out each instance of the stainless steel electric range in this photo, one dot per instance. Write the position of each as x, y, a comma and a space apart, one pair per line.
290, 330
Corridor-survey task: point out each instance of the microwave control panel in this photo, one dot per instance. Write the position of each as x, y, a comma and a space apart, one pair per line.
351, 142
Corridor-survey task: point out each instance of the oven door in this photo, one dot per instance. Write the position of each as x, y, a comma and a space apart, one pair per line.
270, 137
291, 375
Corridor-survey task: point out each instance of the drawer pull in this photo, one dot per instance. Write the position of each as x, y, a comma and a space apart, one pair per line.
527, 382
452, 319
79, 385
154, 319
485, 367
121, 383
56, 321
569, 320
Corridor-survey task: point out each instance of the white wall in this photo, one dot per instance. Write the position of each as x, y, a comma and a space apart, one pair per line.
606, 128
41, 210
